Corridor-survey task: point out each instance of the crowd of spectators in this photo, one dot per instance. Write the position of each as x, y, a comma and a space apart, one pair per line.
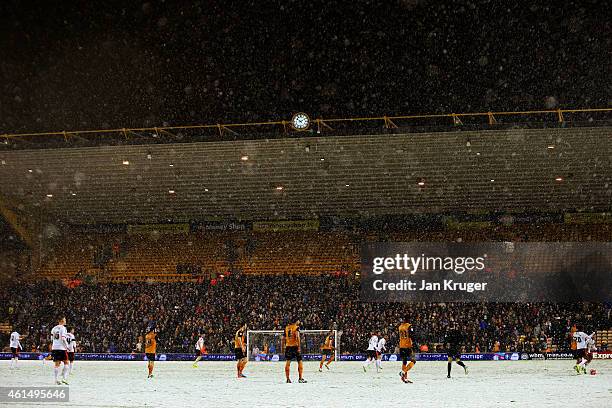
111, 317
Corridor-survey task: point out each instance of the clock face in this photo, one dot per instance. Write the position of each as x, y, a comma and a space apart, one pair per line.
300, 121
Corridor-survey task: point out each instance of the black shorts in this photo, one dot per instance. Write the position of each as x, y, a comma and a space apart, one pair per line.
327, 352
291, 353
454, 354
150, 356
71, 356
239, 353
406, 353
198, 353
15, 351
59, 355
580, 353
371, 354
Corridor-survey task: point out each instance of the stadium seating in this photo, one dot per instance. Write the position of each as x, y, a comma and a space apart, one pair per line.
146, 258
603, 337
300, 253
158, 257
5, 327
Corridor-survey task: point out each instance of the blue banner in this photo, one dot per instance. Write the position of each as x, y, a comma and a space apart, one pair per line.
509, 356
124, 356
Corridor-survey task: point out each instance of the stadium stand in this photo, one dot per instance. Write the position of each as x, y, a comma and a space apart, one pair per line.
110, 317
382, 173
112, 282
187, 257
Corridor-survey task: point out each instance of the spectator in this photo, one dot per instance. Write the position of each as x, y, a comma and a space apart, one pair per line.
111, 316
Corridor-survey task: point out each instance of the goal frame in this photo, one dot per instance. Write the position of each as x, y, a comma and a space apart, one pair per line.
302, 332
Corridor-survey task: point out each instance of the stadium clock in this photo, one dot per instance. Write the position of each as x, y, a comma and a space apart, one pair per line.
300, 121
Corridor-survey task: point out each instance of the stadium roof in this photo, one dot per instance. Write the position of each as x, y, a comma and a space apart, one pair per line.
515, 170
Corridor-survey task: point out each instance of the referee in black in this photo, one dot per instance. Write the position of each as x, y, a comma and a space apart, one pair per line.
454, 340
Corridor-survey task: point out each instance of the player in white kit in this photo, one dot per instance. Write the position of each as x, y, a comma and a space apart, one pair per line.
380, 349
590, 349
59, 350
71, 340
15, 345
581, 339
371, 352
199, 346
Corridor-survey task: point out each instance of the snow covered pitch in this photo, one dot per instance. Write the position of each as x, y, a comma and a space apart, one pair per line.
176, 384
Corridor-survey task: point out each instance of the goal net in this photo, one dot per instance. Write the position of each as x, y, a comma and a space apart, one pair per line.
269, 345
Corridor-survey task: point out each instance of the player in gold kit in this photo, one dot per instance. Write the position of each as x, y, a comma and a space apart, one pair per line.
327, 351
406, 350
292, 349
151, 348
240, 350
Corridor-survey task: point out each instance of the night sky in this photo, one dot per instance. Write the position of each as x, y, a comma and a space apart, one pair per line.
68, 65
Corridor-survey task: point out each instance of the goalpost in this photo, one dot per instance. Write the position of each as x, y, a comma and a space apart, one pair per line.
268, 343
